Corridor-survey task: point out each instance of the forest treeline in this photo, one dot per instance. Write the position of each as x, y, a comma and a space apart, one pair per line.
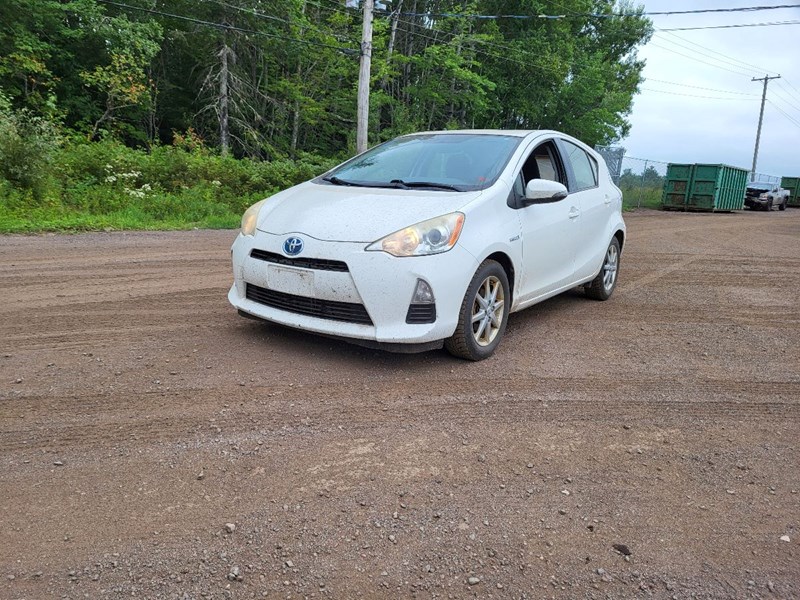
269, 80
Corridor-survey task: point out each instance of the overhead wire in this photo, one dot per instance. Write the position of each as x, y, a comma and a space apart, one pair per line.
225, 26
790, 93
697, 87
788, 103
265, 16
574, 14
734, 26
700, 60
787, 82
788, 118
696, 95
727, 58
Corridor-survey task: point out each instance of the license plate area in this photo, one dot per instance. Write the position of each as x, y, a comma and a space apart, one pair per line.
290, 280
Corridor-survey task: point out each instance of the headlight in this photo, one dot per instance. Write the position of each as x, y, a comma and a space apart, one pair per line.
429, 237
250, 218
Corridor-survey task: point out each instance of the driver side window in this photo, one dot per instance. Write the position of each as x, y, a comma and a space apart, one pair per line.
543, 163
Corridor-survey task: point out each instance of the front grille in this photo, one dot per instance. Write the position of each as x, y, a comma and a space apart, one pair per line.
320, 264
348, 312
421, 313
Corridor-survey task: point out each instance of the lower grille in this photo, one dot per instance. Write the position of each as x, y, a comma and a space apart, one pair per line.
421, 313
348, 312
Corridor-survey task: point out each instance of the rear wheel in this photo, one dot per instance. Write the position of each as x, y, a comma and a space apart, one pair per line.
782, 206
484, 314
602, 286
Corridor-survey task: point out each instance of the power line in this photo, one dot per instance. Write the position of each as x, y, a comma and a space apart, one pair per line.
249, 11
791, 94
694, 95
225, 26
787, 82
772, 24
725, 10
689, 56
696, 87
790, 119
431, 15
729, 59
261, 15
785, 101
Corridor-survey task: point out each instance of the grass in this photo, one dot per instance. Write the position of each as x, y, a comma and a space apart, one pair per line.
43, 220
107, 186
641, 197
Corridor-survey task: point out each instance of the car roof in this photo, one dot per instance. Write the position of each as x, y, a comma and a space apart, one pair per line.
510, 132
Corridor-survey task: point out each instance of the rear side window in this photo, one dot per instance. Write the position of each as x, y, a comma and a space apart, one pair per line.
584, 166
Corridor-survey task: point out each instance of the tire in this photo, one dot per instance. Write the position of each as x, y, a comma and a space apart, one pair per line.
782, 206
602, 286
768, 207
476, 336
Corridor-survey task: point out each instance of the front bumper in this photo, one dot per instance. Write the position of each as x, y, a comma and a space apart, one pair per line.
755, 203
383, 284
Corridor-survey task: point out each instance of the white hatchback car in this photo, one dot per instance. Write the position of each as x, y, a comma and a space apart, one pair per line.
432, 238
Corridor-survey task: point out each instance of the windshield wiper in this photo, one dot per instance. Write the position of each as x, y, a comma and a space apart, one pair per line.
336, 181
393, 184
427, 184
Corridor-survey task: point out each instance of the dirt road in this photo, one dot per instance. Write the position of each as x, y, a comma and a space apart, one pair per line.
154, 444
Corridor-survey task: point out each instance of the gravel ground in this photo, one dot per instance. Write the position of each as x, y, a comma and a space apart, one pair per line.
154, 444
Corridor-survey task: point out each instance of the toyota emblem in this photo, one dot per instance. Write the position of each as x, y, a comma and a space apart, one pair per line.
293, 246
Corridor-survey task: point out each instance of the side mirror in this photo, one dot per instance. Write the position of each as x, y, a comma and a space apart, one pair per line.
541, 191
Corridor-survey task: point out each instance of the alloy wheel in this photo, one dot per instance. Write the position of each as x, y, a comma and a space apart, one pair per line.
488, 310
610, 268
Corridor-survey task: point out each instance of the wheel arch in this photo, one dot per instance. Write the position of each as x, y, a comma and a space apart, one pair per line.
508, 266
620, 235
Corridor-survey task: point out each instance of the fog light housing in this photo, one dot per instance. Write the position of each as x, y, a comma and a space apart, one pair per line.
423, 294
423, 305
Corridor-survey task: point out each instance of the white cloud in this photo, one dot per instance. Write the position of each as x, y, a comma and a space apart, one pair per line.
711, 125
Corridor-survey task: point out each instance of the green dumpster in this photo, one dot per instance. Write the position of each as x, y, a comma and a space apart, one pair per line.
793, 185
717, 188
676, 186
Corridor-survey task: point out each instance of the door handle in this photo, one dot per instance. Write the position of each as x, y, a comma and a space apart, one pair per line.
607, 199
574, 213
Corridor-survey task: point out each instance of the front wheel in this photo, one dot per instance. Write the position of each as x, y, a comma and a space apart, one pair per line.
768, 207
484, 314
602, 286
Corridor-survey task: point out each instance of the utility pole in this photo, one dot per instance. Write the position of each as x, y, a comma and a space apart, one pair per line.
363, 78
765, 79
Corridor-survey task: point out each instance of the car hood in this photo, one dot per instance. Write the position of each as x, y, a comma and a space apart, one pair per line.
353, 214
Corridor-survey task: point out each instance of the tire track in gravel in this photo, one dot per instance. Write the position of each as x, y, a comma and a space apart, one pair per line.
167, 417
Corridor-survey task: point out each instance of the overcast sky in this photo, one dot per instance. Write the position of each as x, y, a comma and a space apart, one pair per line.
720, 127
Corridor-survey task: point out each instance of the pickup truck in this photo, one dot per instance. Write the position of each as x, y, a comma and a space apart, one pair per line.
765, 196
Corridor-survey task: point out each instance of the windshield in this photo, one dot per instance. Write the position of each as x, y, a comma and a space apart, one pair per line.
444, 161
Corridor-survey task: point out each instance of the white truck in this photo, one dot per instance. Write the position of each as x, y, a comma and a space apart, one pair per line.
765, 196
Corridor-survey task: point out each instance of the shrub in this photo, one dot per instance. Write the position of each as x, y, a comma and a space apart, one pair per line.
105, 184
28, 145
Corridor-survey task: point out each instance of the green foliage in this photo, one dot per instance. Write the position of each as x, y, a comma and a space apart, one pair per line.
104, 184
641, 190
277, 81
282, 78
27, 147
